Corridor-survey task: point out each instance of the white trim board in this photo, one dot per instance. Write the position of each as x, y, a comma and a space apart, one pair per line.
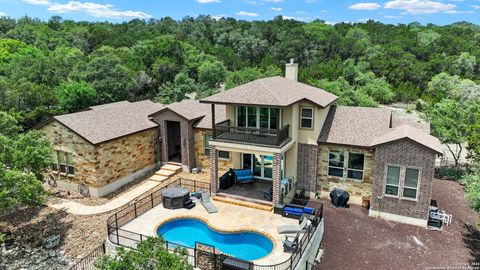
398, 218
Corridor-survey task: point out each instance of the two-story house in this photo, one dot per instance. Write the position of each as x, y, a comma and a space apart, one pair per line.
278, 128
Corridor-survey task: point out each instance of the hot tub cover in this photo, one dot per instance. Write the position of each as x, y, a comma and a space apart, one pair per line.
175, 192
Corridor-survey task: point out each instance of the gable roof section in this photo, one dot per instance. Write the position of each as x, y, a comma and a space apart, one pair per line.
273, 91
356, 126
104, 123
400, 120
412, 133
191, 109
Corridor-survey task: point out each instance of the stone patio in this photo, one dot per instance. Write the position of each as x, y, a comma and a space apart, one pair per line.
229, 218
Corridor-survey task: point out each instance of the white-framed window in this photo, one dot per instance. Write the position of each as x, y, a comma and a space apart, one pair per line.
402, 182
63, 162
206, 148
356, 163
392, 185
410, 185
306, 117
336, 162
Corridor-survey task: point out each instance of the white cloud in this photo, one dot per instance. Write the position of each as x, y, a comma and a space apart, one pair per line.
2, 14
310, 1
248, 14
295, 18
365, 6
96, 10
218, 17
459, 11
392, 17
38, 2
475, 6
419, 6
207, 1
273, 1
277, 9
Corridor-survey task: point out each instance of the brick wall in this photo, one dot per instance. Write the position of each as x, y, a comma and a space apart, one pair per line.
202, 160
403, 153
327, 183
307, 166
276, 175
187, 136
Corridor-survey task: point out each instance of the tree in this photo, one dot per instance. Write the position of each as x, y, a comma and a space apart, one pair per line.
243, 76
75, 96
212, 74
23, 160
176, 91
150, 254
464, 65
450, 121
472, 188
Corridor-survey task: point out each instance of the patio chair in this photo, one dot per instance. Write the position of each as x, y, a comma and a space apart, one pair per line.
208, 204
290, 229
291, 243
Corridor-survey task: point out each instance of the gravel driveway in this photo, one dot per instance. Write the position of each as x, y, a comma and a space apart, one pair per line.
355, 241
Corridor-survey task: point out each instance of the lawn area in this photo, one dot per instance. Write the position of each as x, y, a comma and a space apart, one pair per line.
352, 238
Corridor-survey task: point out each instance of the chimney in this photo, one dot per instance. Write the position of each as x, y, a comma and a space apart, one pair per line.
291, 70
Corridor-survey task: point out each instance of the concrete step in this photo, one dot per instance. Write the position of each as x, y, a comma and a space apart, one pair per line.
245, 199
243, 203
171, 167
158, 178
166, 173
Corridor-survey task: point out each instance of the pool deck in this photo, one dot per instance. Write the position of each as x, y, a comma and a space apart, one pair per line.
228, 218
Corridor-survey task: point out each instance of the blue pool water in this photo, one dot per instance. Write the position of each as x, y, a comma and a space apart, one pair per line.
244, 245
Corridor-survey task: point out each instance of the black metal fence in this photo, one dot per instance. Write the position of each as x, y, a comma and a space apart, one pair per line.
86, 263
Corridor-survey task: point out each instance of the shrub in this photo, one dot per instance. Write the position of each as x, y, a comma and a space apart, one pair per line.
472, 188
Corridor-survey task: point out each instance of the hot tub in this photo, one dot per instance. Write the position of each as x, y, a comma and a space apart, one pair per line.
175, 198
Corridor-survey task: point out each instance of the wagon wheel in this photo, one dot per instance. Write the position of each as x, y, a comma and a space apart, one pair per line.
83, 190
51, 181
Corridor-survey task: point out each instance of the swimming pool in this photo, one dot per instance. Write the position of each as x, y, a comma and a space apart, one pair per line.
244, 245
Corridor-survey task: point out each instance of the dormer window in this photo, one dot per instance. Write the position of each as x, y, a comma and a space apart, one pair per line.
306, 117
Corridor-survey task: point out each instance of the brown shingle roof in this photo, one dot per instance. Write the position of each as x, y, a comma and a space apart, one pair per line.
412, 133
107, 122
273, 91
191, 109
356, 126
400, 120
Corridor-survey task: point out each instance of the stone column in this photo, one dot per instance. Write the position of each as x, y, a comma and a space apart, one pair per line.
276, 177
213, 169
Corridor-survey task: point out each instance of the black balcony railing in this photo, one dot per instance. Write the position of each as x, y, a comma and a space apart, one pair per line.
255, 136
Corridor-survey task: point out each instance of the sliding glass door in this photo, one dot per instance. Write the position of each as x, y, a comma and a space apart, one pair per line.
260, 165
258, 117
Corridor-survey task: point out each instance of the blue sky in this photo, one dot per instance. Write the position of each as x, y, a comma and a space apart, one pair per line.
391, 11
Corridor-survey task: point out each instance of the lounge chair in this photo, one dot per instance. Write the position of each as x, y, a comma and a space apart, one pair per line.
291, 229
291, 243
208, 204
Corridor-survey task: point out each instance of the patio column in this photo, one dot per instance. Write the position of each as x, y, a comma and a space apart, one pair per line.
276, 177
213, 169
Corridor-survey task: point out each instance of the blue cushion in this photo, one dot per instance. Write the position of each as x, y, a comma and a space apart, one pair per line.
308, 210
295, 210
244, 178
240, 173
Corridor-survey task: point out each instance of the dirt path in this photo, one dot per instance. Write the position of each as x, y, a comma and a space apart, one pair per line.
355, 241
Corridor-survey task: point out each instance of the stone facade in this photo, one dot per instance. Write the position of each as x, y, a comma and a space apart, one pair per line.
410, 154
85, 161
186, 133
100, 165
124, 156
307, 166
202, 160
327, 183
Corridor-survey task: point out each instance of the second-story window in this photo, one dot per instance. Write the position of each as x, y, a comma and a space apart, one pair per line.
258, 117
306, 117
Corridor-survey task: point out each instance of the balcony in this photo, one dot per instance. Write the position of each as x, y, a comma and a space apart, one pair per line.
254, 136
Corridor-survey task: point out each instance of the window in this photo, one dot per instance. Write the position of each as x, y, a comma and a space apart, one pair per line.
206, 144
258, 117
393, 180
306, 118
336, 163
411, 183
63, 162
355, 166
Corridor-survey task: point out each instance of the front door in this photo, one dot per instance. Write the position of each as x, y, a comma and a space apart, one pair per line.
174, 142
260, 165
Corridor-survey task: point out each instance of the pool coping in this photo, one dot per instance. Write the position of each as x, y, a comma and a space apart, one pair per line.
226, 231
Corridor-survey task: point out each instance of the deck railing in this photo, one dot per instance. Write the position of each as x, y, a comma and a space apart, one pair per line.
255, 136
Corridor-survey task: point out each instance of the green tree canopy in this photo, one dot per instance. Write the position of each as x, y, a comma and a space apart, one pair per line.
76, 96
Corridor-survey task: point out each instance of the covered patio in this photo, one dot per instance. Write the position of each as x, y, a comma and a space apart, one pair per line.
256, 190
